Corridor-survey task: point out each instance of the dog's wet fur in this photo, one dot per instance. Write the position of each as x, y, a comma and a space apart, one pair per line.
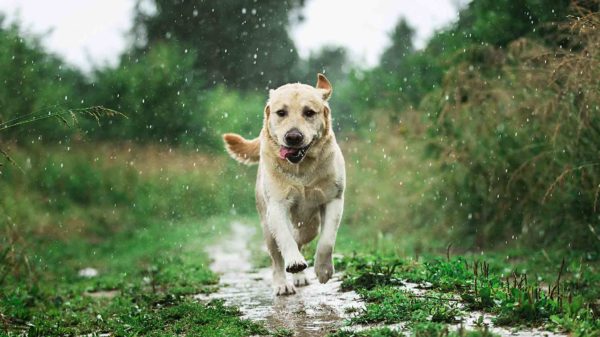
300, 182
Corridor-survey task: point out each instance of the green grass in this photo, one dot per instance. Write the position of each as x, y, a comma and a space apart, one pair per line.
141, 215
152, 273
516, 296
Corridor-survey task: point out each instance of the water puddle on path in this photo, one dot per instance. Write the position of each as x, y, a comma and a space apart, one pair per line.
315, 309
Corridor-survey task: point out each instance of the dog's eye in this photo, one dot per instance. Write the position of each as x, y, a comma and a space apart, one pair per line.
309, 113
281, 113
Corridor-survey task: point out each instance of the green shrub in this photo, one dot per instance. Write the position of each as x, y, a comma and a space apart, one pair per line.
34, 81
516, 143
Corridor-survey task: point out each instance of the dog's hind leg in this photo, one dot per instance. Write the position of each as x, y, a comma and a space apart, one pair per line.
281, 286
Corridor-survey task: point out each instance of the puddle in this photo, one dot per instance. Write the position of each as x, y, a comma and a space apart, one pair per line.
314, 310
102, 293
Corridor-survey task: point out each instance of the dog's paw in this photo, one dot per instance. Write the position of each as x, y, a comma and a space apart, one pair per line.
300, 279
324, 266
296, 265
284, 288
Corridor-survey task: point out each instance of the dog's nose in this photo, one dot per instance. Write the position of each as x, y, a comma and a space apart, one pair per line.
294, 137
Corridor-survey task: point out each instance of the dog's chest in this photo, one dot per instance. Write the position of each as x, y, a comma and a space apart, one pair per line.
306, 204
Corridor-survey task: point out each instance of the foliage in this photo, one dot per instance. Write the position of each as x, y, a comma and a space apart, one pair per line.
332, 61
34, 82
402, 45
241, 44
515, 133
160, 94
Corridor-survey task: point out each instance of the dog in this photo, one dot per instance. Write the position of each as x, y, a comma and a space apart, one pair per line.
300, 181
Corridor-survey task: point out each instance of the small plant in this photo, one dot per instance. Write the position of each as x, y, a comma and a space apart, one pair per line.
68, 117
373, 273
283, 333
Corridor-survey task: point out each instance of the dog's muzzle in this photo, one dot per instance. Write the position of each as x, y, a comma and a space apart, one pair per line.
293, 155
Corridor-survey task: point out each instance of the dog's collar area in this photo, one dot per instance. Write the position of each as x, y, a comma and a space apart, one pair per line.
293, 155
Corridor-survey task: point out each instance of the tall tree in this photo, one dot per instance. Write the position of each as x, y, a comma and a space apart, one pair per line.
402, 45
242, 43
333, 61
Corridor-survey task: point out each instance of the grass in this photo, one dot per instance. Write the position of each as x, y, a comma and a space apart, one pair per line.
565, 300
140, 216
151, 274
139, 213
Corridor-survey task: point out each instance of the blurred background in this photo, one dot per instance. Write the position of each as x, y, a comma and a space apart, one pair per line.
475, 123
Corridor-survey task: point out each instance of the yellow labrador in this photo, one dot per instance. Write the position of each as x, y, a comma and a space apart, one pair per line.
300, 182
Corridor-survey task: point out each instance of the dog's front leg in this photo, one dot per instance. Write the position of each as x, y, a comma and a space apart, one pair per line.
324, 255
278, 220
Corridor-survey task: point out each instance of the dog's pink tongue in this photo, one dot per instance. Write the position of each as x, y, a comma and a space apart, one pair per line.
284, 152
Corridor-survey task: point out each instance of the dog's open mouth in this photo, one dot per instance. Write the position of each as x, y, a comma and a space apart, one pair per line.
293, 155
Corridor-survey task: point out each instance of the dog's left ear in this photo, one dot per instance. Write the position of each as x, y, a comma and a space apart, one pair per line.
324, 86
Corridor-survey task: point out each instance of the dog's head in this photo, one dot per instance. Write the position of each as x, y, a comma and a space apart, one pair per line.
297, 116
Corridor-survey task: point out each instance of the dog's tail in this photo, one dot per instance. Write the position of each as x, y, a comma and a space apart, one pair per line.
243, 150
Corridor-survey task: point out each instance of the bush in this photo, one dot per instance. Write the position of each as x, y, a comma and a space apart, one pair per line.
516, 139
34, 81
160, 92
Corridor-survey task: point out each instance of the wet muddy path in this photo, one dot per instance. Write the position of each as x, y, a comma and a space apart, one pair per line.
315, 309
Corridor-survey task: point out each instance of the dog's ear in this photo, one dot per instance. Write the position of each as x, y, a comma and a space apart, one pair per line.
324, 86
267, 110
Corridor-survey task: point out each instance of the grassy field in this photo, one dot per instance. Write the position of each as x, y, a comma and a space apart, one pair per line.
141, 216
142, 288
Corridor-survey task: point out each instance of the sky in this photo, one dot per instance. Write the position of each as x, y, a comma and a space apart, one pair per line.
93, 32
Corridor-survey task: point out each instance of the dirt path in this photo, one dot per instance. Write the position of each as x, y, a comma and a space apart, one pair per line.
315, 309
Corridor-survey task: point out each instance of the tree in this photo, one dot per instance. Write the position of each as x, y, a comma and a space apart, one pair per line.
402, 46
330, 60
243, 43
